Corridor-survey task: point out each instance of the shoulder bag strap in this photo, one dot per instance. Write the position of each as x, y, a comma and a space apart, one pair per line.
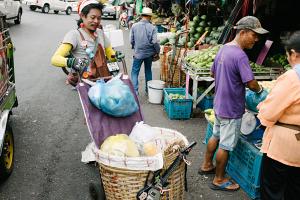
81, 35
96, 41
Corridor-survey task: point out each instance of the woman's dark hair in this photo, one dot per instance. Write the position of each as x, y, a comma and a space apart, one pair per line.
85, 11
293, 42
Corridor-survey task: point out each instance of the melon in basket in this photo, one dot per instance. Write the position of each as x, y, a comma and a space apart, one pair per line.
120, 145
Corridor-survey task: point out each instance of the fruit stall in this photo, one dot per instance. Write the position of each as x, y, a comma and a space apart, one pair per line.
188, 55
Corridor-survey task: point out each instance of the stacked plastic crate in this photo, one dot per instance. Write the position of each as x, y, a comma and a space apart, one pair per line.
244, 167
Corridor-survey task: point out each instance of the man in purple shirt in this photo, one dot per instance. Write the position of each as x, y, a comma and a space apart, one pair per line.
232, 73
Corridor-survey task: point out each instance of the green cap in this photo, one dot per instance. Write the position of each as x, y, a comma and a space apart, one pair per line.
252, 23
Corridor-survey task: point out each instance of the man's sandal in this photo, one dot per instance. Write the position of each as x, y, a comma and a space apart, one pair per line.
224, 186
211, 171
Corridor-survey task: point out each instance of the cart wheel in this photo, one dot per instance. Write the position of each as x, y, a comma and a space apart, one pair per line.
96, 191
7, 154
65, 70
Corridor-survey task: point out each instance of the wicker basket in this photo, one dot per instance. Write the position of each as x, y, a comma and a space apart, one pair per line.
121, 184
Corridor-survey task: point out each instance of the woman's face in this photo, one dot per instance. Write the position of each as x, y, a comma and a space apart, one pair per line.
292, 57
92, 20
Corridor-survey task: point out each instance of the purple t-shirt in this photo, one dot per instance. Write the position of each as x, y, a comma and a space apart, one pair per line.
232, 71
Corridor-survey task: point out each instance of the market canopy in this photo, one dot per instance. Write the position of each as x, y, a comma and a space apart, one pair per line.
122, 2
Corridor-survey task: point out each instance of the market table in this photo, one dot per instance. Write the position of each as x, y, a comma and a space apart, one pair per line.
203, 74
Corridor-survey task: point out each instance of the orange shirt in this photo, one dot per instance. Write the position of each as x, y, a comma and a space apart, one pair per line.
283, 105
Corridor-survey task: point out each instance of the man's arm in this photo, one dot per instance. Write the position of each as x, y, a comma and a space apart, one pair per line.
131, 37
254, 86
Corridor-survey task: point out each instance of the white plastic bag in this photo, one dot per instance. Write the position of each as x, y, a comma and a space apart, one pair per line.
143, 133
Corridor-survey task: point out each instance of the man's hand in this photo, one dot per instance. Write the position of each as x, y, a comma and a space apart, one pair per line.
255, 87
78, 64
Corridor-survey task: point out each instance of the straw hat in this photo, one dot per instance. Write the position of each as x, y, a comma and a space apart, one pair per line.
147, 11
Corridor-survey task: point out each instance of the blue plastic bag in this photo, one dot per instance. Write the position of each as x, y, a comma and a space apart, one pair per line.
95, 94
115, 98
253, 99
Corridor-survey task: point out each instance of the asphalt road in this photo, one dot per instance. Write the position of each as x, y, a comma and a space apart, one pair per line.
49, 127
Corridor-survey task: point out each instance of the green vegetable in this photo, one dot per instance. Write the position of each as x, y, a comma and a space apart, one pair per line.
164, 41
173, 96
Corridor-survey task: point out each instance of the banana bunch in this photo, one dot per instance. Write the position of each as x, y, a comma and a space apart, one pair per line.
210, 115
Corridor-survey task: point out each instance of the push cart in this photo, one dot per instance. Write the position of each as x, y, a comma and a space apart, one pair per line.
114, 180
101, 125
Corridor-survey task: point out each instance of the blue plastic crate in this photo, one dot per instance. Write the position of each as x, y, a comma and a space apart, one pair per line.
255, 136
206, 103
209, 132
177, 108
160, 29
247, 159
252, 190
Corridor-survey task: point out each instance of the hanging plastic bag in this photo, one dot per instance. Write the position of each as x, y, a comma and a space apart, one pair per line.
95, 94
117, 99
253, 99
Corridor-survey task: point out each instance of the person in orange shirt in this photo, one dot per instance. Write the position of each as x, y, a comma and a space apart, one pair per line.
280, 113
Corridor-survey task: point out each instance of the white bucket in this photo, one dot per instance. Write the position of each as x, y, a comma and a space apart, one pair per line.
155, 91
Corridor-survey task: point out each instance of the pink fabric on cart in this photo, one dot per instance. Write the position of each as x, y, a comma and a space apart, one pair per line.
101, 125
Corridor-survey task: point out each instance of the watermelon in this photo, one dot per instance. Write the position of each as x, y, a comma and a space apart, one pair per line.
200, 29
192, 30
202, 24
196, 18
190, 44
203, 17
197, 36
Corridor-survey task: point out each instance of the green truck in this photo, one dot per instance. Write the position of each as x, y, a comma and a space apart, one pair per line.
8, 100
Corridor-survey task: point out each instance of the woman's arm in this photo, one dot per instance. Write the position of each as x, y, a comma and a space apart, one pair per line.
59, 58
280, 98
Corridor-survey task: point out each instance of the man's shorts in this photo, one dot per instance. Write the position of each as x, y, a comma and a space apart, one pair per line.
227, 131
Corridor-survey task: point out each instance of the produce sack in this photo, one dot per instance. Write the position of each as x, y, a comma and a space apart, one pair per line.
120, 145
95, 94
116, 99
253, 99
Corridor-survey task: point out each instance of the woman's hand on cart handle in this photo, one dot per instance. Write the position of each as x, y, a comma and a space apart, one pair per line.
78, 64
